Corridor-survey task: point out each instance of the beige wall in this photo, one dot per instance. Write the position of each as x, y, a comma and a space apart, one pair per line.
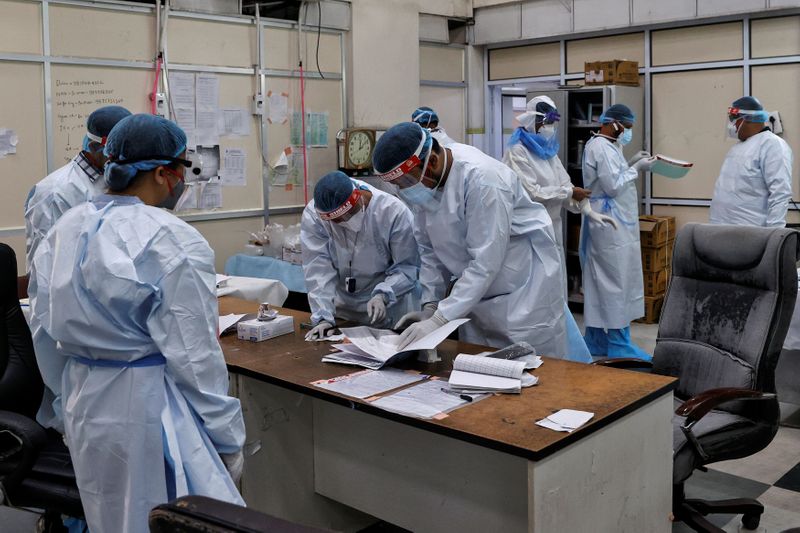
698, 44
525, 61
628, 46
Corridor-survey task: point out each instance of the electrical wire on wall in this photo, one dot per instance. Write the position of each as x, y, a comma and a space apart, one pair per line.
319, 31
301, 53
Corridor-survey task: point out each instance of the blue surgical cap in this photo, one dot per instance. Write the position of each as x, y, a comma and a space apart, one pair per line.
332, 190
138, 136
424, 116
101, 122
398, 144
751, 103
617, 112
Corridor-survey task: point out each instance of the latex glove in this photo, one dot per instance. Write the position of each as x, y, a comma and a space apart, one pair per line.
644, 164
376, 308
320, 331
586, 209
416, 331
416, 316
579, 194
641, 154
234, 463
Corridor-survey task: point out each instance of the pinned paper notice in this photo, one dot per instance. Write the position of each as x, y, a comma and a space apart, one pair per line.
235, 121
207, 111
278, 107
233, 171
211, 195
8, 142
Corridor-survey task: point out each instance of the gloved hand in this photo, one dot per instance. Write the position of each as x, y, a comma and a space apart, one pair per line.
234, 463
644, 164
586, 209
320, 331
579, 194
641, 154
416, 331
376, 308
415, 316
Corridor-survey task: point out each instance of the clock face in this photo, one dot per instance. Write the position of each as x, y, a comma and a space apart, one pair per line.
359, 148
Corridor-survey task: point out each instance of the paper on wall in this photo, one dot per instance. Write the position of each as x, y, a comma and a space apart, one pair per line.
211, 195
278, 107
188, 199
234, 165
235, 121
181, 93
8, 142
317, 129
207, 112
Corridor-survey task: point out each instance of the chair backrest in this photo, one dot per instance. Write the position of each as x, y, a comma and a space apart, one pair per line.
20, 381
728, 308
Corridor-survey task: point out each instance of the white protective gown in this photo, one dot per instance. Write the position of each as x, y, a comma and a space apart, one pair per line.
74, 183
441, 137
754, 186
485, 230
382, 257
613, 288
546, 181
117, 282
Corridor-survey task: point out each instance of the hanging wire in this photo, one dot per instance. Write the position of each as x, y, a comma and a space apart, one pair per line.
319, 30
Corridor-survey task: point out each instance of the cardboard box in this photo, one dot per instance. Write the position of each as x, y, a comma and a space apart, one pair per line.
655, 283
616, 72
656, 231
652, 309
258, 330
658, 258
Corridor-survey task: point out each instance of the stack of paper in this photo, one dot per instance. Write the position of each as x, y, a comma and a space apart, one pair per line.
565, 420
373, 348
475, 374
669, 167
227, 322
424, 400
367, 383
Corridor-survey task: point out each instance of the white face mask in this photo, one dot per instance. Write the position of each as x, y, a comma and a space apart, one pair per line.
547, 131
732, 130
354, 222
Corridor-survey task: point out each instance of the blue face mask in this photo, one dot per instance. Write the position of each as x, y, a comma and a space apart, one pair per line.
626, 137
419, 194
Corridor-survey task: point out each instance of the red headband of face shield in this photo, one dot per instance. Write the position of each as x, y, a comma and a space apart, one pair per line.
342, 209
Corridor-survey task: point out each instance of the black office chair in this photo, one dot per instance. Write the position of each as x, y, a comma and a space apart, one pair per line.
724, 320
35, 467
199, 514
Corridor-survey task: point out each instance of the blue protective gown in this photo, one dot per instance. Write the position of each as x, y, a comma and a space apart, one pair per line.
382, 257
122, 283
484, 230
74, 183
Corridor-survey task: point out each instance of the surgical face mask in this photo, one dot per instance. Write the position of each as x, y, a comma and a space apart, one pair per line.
419, 194
732, 130
547, 131
626, 137
175, 192
355, 222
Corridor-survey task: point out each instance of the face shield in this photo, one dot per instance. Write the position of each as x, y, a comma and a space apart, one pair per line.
401, 175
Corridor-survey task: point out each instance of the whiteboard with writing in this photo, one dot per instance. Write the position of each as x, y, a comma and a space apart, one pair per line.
79, 90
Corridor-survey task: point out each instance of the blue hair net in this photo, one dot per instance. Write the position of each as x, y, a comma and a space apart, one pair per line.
102, 121
750, 103
138, 136
398, 144
424, 116
617, 112
332, 190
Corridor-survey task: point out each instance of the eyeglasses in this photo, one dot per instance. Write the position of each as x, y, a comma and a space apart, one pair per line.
194, 166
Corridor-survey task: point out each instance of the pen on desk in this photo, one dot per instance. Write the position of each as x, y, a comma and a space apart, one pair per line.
464, 397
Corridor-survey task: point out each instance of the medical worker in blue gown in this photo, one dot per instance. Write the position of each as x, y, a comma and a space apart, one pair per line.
533, 154
360, 258
474, 222
125, 331
611, 260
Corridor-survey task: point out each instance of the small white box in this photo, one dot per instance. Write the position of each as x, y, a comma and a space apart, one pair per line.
257, 330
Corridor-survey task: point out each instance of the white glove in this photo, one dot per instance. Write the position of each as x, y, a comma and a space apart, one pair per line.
641, 154
234, 463
644, 164
416, 331
416, 316
586, 209
376, 309
320, 331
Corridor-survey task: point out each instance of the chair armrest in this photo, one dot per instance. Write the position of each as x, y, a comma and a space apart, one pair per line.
698, 406
624, 362
21, 438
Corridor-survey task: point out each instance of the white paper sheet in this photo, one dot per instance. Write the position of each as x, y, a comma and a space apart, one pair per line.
460, 380
235, 121
222, 279
188, 199
234, 168
211, 195
207, 107
368, 383
486, 365
228, 321
278, 107
566, 420
425, 400
181, 93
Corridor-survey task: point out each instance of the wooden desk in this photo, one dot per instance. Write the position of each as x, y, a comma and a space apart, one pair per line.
486, 467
